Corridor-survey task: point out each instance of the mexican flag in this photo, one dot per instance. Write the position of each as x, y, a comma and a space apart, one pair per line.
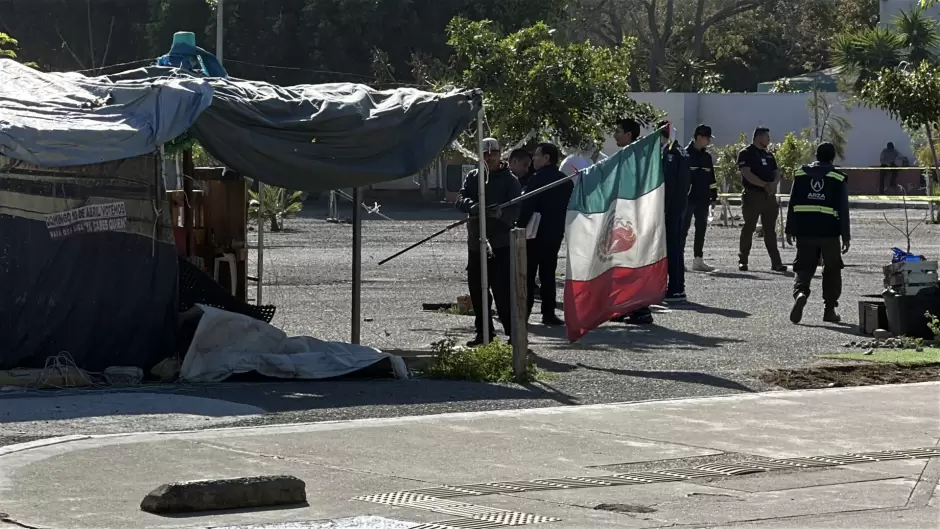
616, 237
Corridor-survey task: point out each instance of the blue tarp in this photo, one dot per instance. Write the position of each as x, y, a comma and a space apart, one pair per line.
62, 119
306, 137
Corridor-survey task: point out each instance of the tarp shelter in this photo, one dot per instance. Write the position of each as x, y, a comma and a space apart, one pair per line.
311, 137
823, 80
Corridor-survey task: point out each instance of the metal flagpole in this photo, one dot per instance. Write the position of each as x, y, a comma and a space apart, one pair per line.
356, 268
481, 207
219, 29
260, 242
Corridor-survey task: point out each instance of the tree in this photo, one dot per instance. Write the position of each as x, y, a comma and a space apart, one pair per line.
828, 125
278, 205
535, 86
893, 66
9, 47
910, 94
862, 55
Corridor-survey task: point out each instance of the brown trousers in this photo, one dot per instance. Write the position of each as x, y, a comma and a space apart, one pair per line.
759, 205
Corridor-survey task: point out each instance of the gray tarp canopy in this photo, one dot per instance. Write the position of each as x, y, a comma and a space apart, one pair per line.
307, 137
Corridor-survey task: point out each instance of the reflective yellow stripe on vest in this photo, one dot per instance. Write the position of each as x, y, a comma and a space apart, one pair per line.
816, 209
832, 174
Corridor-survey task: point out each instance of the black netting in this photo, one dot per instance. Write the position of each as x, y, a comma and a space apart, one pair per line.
197, 287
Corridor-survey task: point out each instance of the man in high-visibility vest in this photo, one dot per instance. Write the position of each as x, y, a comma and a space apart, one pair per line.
817, 217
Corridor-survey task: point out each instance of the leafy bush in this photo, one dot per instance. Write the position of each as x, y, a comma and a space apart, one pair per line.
792, 152
486, 363
278, 205
726, 165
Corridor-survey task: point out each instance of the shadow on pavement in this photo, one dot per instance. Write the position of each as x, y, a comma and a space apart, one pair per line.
736, 275
844, 328
314, 395
703, 309
202, 514
632, 338
677, 376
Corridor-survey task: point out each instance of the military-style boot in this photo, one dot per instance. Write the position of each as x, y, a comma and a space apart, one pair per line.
799, 303
831, 316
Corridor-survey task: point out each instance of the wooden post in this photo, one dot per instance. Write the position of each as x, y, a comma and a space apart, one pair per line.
520, 305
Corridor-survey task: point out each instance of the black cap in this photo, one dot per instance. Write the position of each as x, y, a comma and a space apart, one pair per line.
704, 130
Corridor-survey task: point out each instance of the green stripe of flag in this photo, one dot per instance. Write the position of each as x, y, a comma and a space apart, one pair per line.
631, 173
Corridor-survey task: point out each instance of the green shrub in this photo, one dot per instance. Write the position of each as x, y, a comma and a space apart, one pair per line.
486, 363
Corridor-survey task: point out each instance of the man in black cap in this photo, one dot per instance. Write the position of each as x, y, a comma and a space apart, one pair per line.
760, 176
501, 187
818, 216
702, 194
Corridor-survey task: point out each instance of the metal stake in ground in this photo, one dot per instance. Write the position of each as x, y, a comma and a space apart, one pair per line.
356, 269
260, 241
484, 257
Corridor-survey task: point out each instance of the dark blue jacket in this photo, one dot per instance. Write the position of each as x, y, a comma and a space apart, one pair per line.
551, 204
678, 178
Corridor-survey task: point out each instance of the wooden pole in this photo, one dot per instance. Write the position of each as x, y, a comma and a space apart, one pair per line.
520, 305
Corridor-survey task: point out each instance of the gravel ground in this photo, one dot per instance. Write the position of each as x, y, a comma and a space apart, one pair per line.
735, 324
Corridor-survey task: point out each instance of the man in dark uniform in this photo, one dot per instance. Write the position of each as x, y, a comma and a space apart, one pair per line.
501, 186
702, 194
818, 215
552, 208
759, 201
677, 180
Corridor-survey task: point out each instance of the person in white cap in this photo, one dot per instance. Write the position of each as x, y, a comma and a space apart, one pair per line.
501, 187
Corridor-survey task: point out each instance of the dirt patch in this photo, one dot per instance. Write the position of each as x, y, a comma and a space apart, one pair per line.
849, 375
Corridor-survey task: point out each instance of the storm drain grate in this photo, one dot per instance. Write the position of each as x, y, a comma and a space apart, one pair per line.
453, 508
767, 465
690, 473
918, 453
574, 483
480, 517
396, 498
650, 477
732, 469
493, 488
515, 518
463, 523
447, 491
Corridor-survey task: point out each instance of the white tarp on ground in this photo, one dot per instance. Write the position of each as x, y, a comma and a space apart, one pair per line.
227, 343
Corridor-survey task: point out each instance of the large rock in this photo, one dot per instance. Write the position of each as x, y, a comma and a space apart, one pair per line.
219, 494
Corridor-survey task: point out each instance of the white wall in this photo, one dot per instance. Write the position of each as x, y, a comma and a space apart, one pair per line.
729, 115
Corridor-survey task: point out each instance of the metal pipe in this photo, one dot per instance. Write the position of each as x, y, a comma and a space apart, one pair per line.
481, 206
219, 30
356, 268
260, 242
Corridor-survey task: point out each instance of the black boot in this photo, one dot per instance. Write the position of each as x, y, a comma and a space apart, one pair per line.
831, 316
799, 303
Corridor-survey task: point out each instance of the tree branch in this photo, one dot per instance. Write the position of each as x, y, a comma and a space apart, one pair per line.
107, 47
67, 47
91, 38
742, 6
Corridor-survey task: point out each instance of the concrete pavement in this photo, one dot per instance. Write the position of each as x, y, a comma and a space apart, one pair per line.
710, 462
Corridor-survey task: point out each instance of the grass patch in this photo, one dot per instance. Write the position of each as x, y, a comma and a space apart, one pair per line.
487, 363
902, 357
